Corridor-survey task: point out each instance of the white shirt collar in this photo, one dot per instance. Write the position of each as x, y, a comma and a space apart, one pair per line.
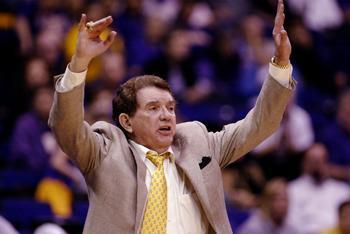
142, 150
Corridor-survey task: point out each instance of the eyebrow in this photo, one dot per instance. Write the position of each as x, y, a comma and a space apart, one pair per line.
172, 102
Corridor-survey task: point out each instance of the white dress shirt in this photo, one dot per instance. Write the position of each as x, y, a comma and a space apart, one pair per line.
184, 211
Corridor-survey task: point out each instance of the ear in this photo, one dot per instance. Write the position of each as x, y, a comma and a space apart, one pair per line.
124, 121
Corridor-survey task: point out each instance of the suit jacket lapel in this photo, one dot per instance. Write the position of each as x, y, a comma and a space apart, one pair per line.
141, 189
191, 169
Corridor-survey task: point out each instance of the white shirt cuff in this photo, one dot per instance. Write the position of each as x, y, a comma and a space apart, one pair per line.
282, 76
70, 80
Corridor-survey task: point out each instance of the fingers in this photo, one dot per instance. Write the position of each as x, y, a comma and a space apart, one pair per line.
279, 19
111, 36
284, 34
82, 22
100, 25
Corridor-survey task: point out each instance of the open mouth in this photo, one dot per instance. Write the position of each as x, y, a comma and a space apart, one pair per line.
165, 129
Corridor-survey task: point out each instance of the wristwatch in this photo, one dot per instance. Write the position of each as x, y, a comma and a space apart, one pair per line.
273, 62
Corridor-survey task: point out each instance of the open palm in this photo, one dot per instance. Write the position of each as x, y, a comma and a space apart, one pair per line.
282, 43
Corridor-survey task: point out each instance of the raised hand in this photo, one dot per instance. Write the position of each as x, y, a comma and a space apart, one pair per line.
89, 44
283, 47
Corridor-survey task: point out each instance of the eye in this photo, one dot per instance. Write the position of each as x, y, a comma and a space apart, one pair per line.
153, 108
171, 108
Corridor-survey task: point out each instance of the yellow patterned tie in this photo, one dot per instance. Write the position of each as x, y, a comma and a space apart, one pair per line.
155, 217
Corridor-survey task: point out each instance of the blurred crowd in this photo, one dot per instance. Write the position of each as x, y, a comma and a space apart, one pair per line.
215, 56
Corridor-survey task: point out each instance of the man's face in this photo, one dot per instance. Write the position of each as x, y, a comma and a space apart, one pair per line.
279, 206
315, 163
154, 122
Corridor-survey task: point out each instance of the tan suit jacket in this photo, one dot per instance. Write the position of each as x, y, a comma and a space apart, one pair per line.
115, 175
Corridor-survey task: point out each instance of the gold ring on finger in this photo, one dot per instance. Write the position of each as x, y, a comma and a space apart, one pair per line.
89, 26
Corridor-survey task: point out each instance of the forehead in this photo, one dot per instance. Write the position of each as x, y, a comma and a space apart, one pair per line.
153, 94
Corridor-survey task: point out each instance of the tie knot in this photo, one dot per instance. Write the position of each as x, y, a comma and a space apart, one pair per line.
157, 159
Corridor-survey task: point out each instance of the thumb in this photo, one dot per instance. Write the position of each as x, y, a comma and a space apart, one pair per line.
284, 35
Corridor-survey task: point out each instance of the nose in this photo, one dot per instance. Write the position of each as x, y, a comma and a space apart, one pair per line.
165, 114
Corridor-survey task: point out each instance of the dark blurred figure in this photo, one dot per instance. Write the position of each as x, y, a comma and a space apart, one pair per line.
255, 49
337, 139
238, 197
10, 69
35, 150
343, 226
36, 75
314, 196
99, 106
227, 14
190, 77
270, 217
314, 71
141, 32
31, 133
113, 73
227, 62
280, 154
339, 43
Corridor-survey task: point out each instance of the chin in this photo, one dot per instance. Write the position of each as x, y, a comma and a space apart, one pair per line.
166, 142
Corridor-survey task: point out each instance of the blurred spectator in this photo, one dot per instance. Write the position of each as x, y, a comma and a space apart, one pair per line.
24, 34
60, 182
6, 227
195, 15
343, 226
295, 134
100, 106
49, 44
307, 59
270, 217
227, 14
36, 75
34, 149
10, 69
30, 132
314, 197
315, 15
280, 153
339, 44
336, 137
141, 33
238, 197
255, 50
74, 8
237, 191
189, 78
167, 10
227, 64
49, 228
113, 73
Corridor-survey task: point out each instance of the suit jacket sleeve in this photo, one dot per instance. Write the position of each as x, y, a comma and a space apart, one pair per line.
239, 138
75, 136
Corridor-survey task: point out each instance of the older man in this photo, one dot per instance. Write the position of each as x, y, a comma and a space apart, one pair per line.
148, 174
